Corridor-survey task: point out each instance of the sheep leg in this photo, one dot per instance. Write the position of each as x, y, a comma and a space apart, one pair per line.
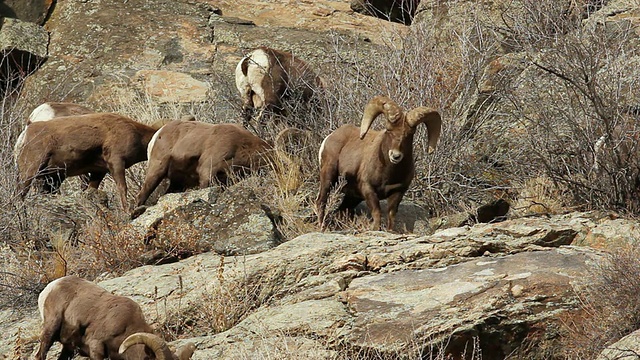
155, 173
393, 202
326, 181
207, 171
24, 187
116, 169
373, 202
49, 330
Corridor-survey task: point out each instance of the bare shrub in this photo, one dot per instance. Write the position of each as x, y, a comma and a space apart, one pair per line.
579, 116
610, 307
227, 301
540, 23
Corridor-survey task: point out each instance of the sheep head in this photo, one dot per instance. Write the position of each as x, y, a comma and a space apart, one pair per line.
158, 346
400, 126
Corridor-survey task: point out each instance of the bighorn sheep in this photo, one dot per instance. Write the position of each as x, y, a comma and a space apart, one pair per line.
50, 110
76, 145
265, 77
197, 154
375, 164
85, 317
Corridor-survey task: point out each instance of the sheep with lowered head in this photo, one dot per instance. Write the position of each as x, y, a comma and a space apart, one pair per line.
375, 164
266, 78
197, 154
76, 145
86, 318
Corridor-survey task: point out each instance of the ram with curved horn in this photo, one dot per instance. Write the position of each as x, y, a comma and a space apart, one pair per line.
88, 320
376, 165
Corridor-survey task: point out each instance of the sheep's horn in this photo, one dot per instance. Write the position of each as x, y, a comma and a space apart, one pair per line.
152, 341
429, 117
378, 105
185, 352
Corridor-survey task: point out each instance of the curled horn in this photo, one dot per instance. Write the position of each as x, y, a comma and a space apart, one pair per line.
378, 105
429, 117
152, 341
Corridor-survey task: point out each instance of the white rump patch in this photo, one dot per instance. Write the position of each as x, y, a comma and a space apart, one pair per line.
17, 148
242, 82
322, 149
257, 67
256, 71
43, 112
153, 142
44, 294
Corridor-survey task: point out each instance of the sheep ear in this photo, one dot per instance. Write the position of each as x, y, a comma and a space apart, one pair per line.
374, 108
429, 117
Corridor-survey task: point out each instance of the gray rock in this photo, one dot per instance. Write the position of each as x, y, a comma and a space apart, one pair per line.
374, 292
627, 348
24, 36
230, 222
499, 298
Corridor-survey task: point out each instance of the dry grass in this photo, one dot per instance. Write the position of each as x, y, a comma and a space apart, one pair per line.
610, 307
227, 300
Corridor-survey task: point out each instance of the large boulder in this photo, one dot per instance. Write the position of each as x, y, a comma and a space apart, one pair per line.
498, 301
229, 222
23, 48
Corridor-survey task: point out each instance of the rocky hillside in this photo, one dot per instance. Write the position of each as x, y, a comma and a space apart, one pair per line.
527, 89
321, 295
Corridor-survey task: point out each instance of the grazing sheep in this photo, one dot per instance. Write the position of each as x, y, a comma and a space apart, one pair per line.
50, 110
265, 77
375, 164
83, 316
194, 154
76, 145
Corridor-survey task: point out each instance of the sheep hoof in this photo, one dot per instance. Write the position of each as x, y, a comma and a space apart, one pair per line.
138, 211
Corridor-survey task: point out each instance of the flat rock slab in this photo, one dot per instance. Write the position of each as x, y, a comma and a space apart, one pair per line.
475, 298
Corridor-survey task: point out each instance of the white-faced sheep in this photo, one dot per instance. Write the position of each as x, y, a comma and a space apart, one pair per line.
50, 110
267, 77
76, 145
375, 164
196, 154
86, 318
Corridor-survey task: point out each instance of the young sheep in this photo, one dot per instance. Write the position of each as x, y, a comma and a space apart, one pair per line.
266, 77
194, 154
375, 164
76, 145
83, 316
50, 110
